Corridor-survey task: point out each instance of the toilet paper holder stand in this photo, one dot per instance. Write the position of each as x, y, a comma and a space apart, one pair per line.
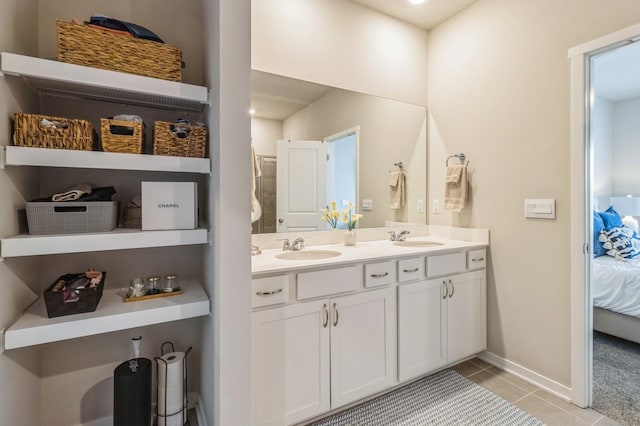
183, 411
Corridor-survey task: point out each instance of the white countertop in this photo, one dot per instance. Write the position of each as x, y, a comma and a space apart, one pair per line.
365, 251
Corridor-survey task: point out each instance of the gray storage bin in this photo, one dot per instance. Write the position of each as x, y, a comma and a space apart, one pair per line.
71, 217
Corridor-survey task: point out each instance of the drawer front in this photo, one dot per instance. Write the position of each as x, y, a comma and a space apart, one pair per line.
410, 269
330, 281
446, 264
269, 291
378, 274
477, 259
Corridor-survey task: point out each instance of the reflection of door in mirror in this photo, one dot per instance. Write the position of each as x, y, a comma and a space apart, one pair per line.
301, 185
266, 194
342, 173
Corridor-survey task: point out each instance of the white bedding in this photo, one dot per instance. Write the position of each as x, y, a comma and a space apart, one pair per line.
616, 285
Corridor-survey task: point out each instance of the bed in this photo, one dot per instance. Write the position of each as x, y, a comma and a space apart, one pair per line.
615, 289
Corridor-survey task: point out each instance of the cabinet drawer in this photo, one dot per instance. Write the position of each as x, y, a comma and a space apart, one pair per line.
410, 269
330, 281
269, 290
477, 259
446, 264
377, 274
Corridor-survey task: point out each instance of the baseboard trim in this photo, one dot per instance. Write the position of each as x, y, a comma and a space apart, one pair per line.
202, 420
551, 386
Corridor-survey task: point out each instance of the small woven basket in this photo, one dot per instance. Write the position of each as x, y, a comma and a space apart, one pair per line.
31, 132
132, 217
94, 47
131, 144
166, 142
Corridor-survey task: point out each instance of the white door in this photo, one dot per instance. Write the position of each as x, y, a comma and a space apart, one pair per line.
290, 363
363, 349
302, 185
466, 315
422, 327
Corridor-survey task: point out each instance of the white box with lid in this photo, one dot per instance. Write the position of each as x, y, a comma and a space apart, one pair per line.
169, 205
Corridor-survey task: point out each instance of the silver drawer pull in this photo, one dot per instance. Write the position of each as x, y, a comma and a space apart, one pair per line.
379, 275
444, 291
478, 259
269, 293
411, 270
326, 316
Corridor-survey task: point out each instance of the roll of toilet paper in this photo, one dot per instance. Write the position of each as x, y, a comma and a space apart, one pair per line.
171, 392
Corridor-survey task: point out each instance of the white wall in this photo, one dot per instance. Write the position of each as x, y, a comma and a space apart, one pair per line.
626, 148
499, 92
341, 44
390, 132
602, 142
264, 134
20, 369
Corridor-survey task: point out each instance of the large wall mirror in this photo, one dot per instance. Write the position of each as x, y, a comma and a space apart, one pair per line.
316, 144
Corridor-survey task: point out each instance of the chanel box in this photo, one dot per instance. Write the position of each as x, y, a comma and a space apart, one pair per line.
169, 205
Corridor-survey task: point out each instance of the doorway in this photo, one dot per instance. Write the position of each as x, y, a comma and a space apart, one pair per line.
588, 194
342, 169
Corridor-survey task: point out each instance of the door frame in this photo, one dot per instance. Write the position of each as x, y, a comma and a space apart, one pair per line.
581, 164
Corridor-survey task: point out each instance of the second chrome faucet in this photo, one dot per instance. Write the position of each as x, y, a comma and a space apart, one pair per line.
297, 244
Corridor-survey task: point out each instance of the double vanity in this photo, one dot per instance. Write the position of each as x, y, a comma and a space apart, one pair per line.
335, 324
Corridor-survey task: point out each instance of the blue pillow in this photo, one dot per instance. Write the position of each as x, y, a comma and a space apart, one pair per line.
611, 218
598, 226
620, 242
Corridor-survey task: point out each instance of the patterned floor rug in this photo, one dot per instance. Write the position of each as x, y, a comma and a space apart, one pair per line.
446, 398
616, 378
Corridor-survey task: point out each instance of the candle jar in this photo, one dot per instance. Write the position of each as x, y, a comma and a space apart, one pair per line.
153, 284
170, 283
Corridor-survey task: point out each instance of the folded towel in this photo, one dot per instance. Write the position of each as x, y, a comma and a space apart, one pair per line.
256, 210
72, 193
396, 190
454, 173
455, 192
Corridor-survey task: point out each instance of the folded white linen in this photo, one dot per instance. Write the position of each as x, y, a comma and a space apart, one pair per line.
73, 193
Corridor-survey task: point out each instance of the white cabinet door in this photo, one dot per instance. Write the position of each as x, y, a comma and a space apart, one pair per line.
422, 328
363, 348
466, 315
290, 363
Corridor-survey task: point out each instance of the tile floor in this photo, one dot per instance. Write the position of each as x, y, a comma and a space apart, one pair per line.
542, 405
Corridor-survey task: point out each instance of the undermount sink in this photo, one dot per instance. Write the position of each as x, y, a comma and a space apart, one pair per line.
308, 254
416, 243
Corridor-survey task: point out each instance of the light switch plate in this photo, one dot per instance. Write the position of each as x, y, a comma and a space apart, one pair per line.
435, 206
540, 208
420, 206
367, 204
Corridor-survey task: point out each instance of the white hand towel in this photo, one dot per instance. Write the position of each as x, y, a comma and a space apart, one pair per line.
455, 192
256, 210
72, 193
396, 190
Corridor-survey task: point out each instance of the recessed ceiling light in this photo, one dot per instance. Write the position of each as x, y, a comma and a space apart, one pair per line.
252, 111
416, 1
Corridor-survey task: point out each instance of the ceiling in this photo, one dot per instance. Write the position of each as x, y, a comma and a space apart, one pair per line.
616, 74
426, 15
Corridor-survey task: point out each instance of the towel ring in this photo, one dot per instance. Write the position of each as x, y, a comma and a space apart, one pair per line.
460, 157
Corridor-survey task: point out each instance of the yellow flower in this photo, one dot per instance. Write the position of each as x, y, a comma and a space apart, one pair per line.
333, 205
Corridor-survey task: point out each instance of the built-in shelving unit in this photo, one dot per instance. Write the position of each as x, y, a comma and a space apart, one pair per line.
53, 77
45, 157
118, 239
112, 314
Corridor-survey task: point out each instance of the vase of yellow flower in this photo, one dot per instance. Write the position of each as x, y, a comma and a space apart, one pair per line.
350, 219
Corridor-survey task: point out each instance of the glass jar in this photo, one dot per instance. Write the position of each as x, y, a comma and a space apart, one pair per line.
170, 283
153, 284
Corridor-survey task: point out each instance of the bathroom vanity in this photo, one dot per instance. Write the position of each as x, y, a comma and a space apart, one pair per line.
338, 324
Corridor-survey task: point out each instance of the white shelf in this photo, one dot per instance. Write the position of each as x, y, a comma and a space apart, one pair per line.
118, 239
55, 77
112, 314
45, 157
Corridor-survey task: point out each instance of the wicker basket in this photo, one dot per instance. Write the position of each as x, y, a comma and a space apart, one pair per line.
131, 144
29, 131
97, 48
132, 217
165, 142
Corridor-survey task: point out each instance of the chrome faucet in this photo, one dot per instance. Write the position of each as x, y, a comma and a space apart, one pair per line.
297, 244
400, 236
286, 245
